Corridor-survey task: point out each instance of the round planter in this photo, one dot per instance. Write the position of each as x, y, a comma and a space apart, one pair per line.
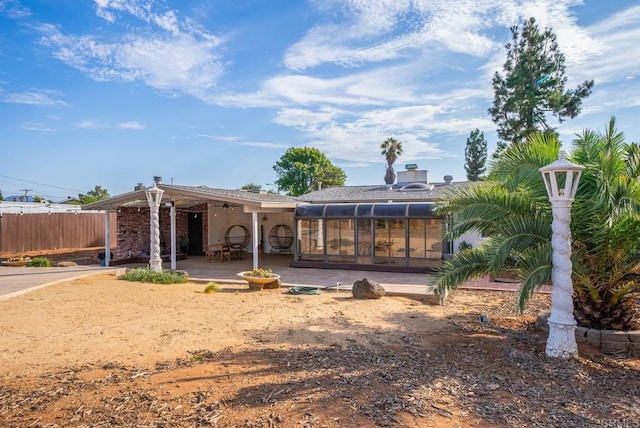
257, 282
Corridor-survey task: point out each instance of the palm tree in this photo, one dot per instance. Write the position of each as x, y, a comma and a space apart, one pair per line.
391, 149
513, 210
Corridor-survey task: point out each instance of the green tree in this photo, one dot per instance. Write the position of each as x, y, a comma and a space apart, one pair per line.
533, 85
391, 149
512, 208
97, 194
252, 186
304, 169
475, 155
1, 197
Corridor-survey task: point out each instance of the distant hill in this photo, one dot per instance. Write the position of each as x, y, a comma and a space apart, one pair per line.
18, 198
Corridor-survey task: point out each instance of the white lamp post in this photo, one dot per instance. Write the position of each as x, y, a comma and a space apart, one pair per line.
562, 324
154, 196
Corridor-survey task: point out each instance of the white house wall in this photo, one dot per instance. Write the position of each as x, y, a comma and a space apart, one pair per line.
472, 238
220, 219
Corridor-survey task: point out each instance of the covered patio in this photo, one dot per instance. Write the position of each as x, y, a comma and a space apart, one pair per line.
191, 221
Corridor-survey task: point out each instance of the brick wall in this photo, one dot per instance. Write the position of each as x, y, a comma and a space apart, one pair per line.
133, 230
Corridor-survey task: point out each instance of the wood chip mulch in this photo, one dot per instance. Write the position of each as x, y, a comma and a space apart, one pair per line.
487, 375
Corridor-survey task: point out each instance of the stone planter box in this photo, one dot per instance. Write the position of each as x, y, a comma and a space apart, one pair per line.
608, 341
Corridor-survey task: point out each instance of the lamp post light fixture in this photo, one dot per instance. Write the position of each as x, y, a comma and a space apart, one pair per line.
154, 197
561, 180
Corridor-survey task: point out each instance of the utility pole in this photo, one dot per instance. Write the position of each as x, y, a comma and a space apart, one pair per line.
26, 193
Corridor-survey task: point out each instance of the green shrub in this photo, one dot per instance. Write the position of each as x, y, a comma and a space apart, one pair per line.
260, 273
40, 262
147, 275
212, 287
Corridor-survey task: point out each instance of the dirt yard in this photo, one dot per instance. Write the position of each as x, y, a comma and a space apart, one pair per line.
99, 351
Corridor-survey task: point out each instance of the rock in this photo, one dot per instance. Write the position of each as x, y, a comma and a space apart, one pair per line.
66, 264
367, 289
272, 285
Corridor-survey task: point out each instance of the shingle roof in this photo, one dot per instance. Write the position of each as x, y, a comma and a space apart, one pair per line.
245, 195
378, 193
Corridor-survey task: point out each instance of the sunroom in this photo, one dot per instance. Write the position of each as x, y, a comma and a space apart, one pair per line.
399, 236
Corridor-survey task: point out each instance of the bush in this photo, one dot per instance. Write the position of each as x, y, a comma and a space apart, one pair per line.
212, 287
40, 262
147, 275
260, 273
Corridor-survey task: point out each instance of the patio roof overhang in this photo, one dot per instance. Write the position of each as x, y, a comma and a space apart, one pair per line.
186, 197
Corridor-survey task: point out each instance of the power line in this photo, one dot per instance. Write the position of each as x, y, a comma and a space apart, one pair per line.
40, 184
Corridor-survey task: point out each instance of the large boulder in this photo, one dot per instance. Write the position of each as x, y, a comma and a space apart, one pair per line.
367, 289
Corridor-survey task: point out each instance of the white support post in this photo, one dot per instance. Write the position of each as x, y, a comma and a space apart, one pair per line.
172, 211
107, 237
154, 196
254, 226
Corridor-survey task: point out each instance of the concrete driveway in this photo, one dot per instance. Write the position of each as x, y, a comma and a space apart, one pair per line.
18, 280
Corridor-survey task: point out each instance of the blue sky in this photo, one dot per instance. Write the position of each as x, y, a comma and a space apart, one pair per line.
213, 92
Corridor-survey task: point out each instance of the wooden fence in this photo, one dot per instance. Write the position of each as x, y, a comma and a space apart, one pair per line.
35, 232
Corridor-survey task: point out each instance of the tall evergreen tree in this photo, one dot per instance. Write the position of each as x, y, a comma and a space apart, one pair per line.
475, 155
533, 85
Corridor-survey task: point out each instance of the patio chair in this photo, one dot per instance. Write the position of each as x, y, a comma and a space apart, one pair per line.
218, 253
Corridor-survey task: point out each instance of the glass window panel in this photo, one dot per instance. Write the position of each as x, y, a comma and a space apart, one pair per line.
363, 210
434, 238
309, 210
417, 238
310, 241
340, 240
390, 241
390, 210
423, 210
398, 239
364, 241
340, 210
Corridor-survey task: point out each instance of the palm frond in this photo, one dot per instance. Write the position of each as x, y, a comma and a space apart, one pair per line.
519, 165
518, 235
463, 266
534, 267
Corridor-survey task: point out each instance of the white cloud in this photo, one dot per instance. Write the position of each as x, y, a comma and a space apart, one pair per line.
39, 98
38, 127
174, 56
266, 145
619, 55
92, 124
130, 125
178, 63
13, 9
305, 119
208, 137
102, 124
375, 31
